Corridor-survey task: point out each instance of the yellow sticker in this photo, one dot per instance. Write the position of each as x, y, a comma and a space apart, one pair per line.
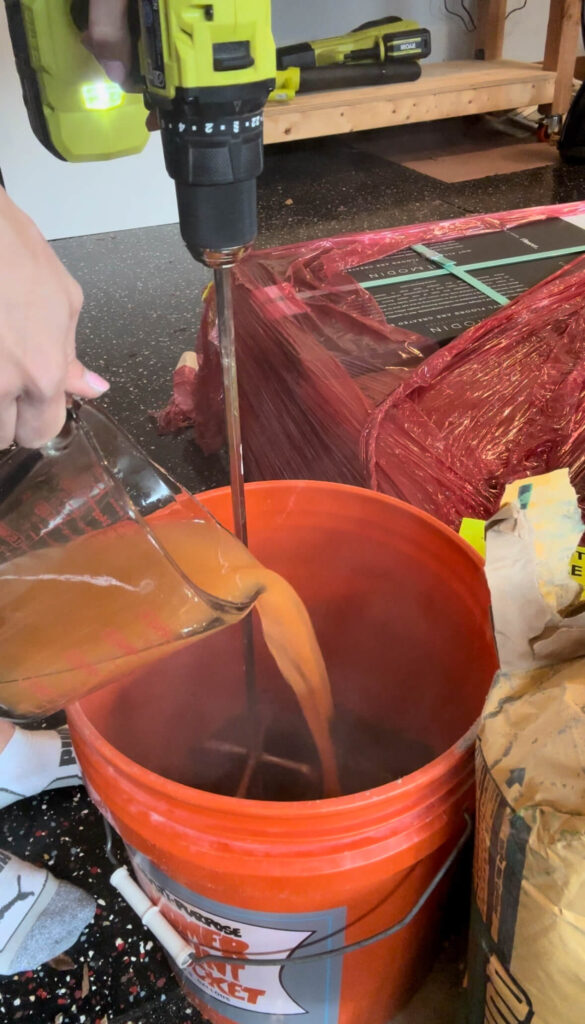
577, 565
473, 531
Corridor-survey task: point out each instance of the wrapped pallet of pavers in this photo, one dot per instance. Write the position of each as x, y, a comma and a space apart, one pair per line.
527, 952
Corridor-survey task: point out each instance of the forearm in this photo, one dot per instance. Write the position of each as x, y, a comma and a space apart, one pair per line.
39, 308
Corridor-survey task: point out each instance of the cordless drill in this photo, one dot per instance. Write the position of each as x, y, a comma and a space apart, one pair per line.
207, 69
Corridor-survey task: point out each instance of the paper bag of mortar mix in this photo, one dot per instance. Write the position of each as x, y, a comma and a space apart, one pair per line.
527, 949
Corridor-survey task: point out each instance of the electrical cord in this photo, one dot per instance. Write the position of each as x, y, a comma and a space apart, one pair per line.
516, 9
469, 14
472, 26
457, 14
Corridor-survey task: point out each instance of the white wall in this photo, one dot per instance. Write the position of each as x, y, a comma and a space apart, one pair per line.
76, 199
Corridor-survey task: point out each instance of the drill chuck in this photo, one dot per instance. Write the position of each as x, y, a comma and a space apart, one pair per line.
212, 141
217, 219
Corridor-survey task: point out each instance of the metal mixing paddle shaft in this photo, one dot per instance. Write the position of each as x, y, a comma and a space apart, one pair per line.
227, 348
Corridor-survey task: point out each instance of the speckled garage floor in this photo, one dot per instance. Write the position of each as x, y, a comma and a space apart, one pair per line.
142, 300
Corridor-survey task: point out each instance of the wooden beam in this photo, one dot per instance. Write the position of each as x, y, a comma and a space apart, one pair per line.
491, 27
562, 39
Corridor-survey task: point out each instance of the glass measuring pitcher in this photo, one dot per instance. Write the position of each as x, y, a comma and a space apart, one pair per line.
106, 564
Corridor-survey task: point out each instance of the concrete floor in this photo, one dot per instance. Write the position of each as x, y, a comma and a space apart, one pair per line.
441, 1000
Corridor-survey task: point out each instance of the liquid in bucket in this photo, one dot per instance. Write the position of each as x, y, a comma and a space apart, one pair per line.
80, 609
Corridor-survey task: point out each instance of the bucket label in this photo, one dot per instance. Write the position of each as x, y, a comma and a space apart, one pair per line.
251, 991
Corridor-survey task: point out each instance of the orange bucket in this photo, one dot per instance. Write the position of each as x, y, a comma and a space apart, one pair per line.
401, 609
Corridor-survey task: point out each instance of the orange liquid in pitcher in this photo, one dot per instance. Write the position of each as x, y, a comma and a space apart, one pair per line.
84, 614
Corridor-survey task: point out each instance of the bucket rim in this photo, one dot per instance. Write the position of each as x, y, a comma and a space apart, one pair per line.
362, 492
396, 792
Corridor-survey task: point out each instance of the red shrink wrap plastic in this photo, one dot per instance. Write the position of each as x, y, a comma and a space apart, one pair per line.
329, 390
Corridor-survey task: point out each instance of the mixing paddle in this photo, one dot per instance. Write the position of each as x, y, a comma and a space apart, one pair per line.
227, 348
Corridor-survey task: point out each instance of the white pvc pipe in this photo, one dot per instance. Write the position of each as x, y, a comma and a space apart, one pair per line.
175, 945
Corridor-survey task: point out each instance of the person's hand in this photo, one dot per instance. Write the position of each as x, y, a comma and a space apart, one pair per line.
39, 308
108, 37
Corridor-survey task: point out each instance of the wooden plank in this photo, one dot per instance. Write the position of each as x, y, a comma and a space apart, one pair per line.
449, 89
562, 39
491, 28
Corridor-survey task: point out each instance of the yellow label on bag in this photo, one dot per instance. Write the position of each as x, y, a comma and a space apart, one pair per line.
577, 565
473, 531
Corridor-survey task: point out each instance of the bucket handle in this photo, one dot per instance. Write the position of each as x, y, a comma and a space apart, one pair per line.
183, 954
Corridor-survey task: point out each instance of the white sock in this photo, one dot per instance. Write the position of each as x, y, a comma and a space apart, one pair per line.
34, 760
40, 916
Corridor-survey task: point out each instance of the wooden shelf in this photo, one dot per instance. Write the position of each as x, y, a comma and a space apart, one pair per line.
449, 89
